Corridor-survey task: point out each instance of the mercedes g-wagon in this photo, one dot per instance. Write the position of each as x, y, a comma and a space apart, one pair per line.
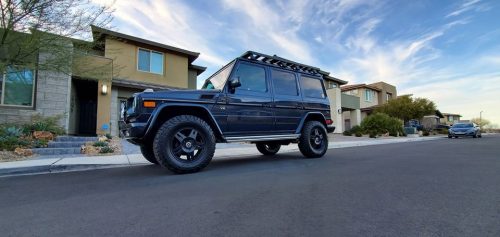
256, 98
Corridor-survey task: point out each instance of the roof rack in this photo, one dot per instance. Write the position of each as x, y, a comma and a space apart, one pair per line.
281, 62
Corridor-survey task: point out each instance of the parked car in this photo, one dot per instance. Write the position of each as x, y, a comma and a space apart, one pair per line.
256, 98
464, 130
442, 127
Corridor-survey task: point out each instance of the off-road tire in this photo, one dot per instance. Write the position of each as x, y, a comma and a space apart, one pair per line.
268, 148
163, 144
306, 146
147, 152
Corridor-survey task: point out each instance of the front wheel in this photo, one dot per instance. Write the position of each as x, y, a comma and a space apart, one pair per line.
184, 144
268, 149
313, 142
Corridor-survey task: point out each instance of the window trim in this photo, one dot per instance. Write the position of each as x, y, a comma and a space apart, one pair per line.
150, 60
35, 73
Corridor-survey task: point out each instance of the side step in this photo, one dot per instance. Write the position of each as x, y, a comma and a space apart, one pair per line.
263, 138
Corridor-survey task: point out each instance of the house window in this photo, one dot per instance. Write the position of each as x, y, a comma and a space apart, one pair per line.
388, 96
17, 87
150, 61
368, 95
331, 85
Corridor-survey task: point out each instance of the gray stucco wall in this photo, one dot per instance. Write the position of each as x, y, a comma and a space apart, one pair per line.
52, 94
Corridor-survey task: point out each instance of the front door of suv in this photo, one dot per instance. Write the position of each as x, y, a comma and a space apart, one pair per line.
287, 101
249, 110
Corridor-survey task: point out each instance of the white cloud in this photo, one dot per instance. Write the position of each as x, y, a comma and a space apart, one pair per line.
170, 23
264, 24
464, 7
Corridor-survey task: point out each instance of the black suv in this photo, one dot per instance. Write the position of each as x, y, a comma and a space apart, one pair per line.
256, 98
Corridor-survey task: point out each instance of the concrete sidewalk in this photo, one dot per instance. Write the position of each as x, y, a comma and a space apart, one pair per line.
223, 151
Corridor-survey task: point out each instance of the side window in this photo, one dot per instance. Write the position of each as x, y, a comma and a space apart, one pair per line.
284, 83
311, 87
252, 78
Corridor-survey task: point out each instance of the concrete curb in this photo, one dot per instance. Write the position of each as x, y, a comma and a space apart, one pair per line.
59, 165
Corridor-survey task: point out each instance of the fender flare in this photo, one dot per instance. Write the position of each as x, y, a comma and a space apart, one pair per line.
162, 107
303, 120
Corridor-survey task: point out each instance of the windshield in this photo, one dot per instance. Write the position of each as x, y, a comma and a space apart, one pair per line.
463, 125
218, 79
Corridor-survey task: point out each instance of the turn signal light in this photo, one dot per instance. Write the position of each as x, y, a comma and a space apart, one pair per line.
328, 121
149, 104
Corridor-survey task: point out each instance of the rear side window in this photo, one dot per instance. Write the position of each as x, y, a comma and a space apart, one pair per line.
284, 83
252, 78
312, 87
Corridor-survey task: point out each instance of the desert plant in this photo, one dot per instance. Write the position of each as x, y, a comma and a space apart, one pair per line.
100, 144
49, 124
10, 143
12, 131
108, 136
106, 149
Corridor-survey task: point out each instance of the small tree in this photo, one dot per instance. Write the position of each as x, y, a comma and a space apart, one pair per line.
481, 122
407, 108
28, 27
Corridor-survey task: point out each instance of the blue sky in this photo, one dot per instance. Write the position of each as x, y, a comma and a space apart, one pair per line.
447, 51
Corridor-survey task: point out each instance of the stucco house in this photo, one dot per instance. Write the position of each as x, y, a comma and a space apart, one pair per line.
91, 96
369, 96
450, 118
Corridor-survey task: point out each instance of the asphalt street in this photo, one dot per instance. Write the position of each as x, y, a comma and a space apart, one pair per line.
447, 187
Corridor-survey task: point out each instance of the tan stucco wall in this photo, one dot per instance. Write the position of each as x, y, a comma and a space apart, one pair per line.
103, 108
386, 88
335, 106
124, 55
362, 100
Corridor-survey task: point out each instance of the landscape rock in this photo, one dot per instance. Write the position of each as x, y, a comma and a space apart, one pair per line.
45, 135
23, 152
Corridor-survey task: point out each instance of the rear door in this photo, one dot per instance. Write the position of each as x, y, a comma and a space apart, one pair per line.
314, 95
249, 110
287, 100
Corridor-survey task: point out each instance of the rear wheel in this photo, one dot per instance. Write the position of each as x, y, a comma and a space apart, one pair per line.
268, 149
184, 144
147, 152
313, 142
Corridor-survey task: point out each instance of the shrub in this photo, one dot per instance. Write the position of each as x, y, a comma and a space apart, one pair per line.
347, 133
49, 124
379, 123
359, 134
106, 149
10, 143
356, 129
425, 133
39, 143
100, 144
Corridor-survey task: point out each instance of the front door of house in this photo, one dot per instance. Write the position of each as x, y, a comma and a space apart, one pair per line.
88, 117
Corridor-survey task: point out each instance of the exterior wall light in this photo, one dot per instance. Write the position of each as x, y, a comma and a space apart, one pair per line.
104, 89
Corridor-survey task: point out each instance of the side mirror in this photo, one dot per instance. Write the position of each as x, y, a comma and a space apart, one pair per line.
235, 82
